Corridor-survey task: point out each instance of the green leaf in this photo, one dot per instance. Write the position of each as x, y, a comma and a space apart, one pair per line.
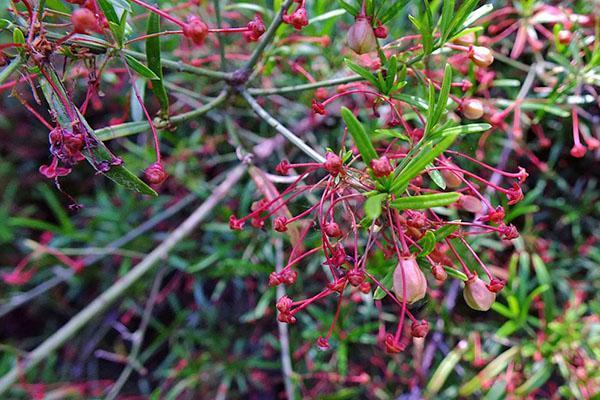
365, 73
140, 68
373, 206
442, 100
387, 283
543, 372
427, 243
544, 278
122, 4
99, 152
417, 164
18, 36
455, 273
487, 374
395, 7
391, 133
425, 201
155, 64
508, 328
109, 12
445, 368
348, 7
436, 177
361, 139
446, 19
464, 129
412, 100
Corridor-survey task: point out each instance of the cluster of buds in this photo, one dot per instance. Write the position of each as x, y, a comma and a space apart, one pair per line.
348, 241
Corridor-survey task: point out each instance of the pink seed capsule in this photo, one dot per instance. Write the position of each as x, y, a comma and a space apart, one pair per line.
361, 38
482, 56
470, 203
410, 285
477, 295
452, 177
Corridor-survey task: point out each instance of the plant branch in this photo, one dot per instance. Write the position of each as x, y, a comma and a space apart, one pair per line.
10, 68
60, 337
267, 37
289, 135
305, 86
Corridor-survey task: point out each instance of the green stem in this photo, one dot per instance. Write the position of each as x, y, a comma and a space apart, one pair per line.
10, 68
305, 86
132, 128
181, 67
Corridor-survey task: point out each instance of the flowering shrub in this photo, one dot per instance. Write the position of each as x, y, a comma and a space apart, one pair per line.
395, 169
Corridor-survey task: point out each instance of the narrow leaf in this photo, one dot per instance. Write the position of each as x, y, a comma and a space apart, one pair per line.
155, 64
140, 68
425, 201
361, 139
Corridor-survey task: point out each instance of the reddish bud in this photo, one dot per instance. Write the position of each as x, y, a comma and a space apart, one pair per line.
332, 229
280, 224
83, 21
508, 232
283, 168
365, 287
470, 203
322, 343
256, 28
361, 38
495, 285
578, 150
333, 164
514, 194
438, 272
419, 329
288, 276
318, 107
481, 56
380, 32
196, 30
298, 19
284, 304
235, 224
564, 36
355, 277
472, 109
155, 174
274, 279
392, 346
409, 282
381, 166
477, 295
321, 93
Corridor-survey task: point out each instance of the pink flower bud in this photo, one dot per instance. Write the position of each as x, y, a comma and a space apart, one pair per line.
381, 166
298, 19
318, 107
256, 28
284, 304
472, 109
495, 285
564, 36
365, 287
288, 276
381, 32
332, 229
409, 282
283, 168
482, 56
235, 224
355, 277
322, 343
392, 346
477, 295
155, 173
467, 39
83, 21
195, 30
280, 224
361, 38
419, 328
438, 272
470, 203
333, 163
453, 178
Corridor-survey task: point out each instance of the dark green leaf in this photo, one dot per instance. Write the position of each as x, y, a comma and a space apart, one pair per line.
365, 73
154, 63
140, 68
425, 201
427, 243
348, 7
387, 283
373, 206
464, 129
358, 133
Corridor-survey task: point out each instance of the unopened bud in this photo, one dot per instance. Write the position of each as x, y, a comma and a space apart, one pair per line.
361, 38
409, 282
472, 109
482, 56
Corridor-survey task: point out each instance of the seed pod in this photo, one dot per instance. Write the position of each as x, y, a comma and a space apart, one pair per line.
452, 178
472, 109
482, 56
470, 203
381, 166
419, 328
466, 39
361, 38
155, 174
438, 272
477, 295
411, 285
83, 20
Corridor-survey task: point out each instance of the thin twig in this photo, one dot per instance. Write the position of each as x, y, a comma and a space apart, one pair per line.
60, 337
305, 86
289, 135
